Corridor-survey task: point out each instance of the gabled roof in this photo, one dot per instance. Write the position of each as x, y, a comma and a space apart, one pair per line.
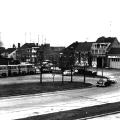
10, 50
84, 46
114, 51
106, 40
73, 46
78, 46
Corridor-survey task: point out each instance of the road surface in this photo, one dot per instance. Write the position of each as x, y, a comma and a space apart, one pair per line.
30, 105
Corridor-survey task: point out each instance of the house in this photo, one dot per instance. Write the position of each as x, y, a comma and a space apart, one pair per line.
32, 53
80, 53
2, 50
84, 53
50, 53
9, 53
66, 56
8, 56
114, 58
100, 48
27, 52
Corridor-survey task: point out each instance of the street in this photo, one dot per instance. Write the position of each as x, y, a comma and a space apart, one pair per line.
38, 104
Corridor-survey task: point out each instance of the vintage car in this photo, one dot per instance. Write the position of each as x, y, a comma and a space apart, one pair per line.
104, 82
67, 72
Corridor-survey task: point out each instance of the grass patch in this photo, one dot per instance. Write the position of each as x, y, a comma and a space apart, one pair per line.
78, 113
32, 88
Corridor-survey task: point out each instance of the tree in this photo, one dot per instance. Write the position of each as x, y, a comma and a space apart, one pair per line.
84, 56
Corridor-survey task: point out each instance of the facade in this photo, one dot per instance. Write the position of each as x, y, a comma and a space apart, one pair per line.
78, 54
114, 58
46, 52
9, 53
2, 50
84, 54
99, 50
27, 53
12, 55
32, 53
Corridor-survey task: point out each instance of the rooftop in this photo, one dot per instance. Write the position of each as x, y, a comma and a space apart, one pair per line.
114, 51
106, 40
84, 46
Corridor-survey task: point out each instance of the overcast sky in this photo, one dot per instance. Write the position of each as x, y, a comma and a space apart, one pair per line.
61, 22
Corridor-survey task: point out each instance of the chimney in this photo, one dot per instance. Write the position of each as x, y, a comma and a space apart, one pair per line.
18, 45
37, 44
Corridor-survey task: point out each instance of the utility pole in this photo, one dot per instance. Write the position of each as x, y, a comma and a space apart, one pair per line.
42, 39
25, 37
30, 37
38, 39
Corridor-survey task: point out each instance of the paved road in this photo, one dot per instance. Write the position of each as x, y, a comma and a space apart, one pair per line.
24, 106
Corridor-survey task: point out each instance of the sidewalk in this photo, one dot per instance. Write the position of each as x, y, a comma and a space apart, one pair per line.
54, 102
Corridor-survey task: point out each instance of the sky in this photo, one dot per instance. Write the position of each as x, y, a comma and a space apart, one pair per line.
58, 22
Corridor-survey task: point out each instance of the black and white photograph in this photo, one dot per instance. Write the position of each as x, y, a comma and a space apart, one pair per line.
59, 60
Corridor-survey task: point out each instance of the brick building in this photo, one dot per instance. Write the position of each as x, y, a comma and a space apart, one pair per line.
27, 53
32, 53
47, 52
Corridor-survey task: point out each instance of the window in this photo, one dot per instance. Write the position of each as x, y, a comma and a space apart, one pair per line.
96, 51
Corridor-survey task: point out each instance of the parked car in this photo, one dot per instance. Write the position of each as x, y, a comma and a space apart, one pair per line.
67, 72
37, 69
104, 82
86, 72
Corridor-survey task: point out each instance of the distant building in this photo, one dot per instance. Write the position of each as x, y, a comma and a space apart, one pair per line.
47, 52
84, 53
27, 52
99, 50
2, 50
31, 52
8, 56
9, 53
80, 53
114, 58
